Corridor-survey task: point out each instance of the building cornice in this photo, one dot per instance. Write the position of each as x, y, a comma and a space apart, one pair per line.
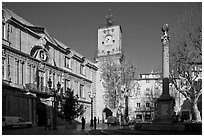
38, 61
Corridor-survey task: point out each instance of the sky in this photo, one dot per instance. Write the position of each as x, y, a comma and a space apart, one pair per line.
76, 25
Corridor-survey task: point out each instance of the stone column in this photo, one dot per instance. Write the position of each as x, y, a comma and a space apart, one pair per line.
165, 102
165, 61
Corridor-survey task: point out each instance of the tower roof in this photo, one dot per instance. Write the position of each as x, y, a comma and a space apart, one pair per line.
109, 21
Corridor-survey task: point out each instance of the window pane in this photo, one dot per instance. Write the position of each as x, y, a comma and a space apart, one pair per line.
81, 91
67, 84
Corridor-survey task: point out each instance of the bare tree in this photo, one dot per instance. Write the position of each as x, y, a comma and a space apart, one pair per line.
186, 56
111, 82
117, 80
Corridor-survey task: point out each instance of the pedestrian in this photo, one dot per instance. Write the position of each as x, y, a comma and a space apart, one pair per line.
48, 124
83, 121
174, 117
95, 122
98, 120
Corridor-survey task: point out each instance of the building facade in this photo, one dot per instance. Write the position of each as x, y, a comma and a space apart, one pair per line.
148, 87
30, 57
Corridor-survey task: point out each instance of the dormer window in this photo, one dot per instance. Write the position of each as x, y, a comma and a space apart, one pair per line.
67, 84
81, 91
67, 62
82, 68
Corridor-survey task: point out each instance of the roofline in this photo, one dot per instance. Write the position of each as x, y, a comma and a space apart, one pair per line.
29, 28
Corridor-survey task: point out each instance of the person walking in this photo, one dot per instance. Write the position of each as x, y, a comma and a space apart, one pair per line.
95, 120
83, 121
48, 124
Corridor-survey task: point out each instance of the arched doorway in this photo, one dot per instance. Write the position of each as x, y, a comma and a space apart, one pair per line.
106, 113
42, 114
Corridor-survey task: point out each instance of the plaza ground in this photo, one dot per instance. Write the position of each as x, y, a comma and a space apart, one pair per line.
102, 129
62, 130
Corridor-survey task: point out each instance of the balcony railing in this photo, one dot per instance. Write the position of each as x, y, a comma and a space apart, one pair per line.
34, 88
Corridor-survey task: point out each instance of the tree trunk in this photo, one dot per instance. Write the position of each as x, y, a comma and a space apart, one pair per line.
195, 113
126, 109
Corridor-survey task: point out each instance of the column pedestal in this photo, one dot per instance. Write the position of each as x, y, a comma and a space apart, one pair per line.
164, 110
165, 105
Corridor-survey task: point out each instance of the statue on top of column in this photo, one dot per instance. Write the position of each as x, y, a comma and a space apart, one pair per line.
165, 38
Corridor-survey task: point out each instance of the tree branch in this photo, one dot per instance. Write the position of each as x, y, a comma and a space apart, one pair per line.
185, 93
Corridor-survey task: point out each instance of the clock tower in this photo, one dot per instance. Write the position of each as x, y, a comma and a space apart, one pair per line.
109, 40
109, 48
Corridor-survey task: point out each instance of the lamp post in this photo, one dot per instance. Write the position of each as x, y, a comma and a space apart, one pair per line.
91, 95
126, 106
54, 108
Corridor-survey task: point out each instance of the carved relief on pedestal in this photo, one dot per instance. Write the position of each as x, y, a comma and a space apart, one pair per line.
164, 109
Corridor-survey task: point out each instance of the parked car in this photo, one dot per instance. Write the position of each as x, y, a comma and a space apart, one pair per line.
130, 122
9, 122
111, 120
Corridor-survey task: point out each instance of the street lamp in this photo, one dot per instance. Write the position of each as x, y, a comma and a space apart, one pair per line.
55, 105
54, 108
92, 95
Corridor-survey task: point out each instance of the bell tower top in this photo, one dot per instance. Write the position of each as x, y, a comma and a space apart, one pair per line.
109, 18
109, 39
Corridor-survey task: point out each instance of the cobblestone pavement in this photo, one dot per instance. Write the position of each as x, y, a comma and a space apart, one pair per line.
102, 129
138, 132
62, 130
41, 131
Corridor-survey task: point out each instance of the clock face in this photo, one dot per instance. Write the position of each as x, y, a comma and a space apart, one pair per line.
108, 40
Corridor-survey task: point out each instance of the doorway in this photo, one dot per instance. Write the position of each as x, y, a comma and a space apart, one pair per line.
42, 114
